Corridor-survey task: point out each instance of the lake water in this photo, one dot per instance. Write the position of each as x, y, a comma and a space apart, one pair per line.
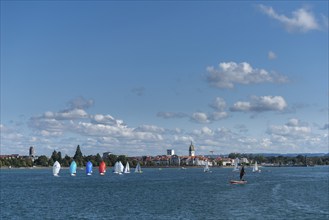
172, 193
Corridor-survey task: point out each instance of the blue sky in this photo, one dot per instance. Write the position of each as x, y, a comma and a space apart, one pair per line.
138, 78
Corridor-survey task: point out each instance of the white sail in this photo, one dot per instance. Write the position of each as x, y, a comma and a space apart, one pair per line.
255, 168
138, 168
236, 164
121, 167
118, 167
206, 168
56, 168
127, 168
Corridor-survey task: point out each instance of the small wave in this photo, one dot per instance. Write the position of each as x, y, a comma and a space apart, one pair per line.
306, 208
275, 190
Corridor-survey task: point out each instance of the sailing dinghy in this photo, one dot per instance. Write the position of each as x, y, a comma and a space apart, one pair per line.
73, 168
127, 168
138, 168
255, 168
56, 168
206, 168
236, 165
102, 168
118, 167
89, 168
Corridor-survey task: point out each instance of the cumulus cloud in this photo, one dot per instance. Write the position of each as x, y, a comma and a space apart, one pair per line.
149, 128
260, 104
200, 117
219, 104
107, 120
203, 131
301, 20
231, 73
215, 116
66, 114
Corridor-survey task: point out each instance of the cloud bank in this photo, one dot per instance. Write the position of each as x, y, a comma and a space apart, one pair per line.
260, 104
229, 74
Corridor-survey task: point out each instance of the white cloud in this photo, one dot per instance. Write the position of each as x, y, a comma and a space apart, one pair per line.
215, 116
200, 117
232, 73
261, 104
271, 55
149, 128
47, 126
219, 104
292, 128
301, 20
66, 114
168, 115
107, 120
203, 131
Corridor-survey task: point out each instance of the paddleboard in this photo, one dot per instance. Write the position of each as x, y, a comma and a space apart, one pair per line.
238, 181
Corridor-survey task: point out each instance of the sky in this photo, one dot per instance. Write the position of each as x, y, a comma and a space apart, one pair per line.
139, 77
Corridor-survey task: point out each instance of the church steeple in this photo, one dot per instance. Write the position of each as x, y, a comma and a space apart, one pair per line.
191, 150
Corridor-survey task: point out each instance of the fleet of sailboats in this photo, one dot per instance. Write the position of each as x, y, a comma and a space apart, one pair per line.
120, 169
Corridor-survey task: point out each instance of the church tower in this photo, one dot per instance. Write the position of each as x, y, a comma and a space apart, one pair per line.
191, 150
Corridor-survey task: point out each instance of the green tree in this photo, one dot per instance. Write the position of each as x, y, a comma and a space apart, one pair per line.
59, 157
66, 161
112, 159
78, 156
54, 156
122, 158
51, 162
98, 159
234, 155
42, 161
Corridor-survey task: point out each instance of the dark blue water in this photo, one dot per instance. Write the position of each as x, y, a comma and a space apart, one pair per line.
276, 193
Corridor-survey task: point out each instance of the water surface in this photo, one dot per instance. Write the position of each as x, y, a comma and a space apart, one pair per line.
172, 193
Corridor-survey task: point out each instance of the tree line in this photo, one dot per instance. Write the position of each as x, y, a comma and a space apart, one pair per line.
65, 161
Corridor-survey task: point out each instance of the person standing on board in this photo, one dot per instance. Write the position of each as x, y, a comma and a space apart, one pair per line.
242, 172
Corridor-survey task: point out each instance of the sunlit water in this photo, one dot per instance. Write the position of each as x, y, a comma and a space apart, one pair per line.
276, 193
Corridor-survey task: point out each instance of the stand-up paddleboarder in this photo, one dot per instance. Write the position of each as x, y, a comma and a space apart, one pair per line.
242, 173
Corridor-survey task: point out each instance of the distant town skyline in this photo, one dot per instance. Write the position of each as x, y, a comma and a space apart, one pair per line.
138, 78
